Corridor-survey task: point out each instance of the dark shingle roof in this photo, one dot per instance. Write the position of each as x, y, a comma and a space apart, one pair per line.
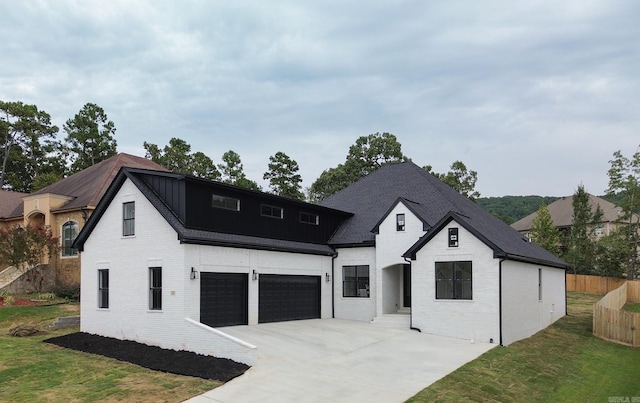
11, 205
371, 197
88, 186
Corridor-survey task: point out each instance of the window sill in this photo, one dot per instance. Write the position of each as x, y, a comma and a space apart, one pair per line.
154, 311
466, 301
70, 257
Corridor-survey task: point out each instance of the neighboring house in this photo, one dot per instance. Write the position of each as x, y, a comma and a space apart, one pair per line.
64, 207
169, 259
561, 212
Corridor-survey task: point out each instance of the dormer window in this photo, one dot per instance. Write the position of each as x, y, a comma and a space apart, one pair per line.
453, 237
271, 211
400, 223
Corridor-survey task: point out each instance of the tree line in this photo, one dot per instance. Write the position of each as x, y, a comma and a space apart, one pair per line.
585, 246
32, 156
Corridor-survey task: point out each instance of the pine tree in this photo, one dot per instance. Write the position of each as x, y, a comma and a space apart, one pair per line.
544, 232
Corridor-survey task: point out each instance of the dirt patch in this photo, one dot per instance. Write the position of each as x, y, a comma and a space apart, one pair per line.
19, 302
156, 358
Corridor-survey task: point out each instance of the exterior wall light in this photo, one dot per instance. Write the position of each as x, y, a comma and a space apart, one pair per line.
327, 277
194, 274
255, 275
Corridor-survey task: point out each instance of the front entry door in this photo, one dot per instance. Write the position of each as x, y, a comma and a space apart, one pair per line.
406, 297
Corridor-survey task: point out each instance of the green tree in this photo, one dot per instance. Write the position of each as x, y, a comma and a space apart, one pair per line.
612, 253
283, 177
365, 156
177, 157
232, 171
624, 181
89, 138
25, 132
25, 248
459, 178
544, 232
581, 248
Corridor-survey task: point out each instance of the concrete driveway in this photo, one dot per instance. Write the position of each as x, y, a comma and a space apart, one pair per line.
333, 360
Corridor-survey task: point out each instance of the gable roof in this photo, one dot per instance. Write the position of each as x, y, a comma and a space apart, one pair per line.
11, 204
561, 212
197, 236
433, 202
89, 185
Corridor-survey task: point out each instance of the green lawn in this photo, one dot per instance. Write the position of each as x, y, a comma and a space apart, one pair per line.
633, 307
32, 371
563, 363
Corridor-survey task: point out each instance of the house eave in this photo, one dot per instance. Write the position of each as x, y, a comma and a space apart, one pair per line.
245, 245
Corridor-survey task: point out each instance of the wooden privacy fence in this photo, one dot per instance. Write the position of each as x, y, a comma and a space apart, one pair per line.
611, 323
594, 284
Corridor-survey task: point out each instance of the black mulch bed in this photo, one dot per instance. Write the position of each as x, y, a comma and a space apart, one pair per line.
156, 358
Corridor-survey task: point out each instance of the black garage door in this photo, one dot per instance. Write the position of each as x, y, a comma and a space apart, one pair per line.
223, 299
285, 297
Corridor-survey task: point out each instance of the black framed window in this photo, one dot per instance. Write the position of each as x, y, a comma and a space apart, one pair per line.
539, 284
271, 211
454, 280
309, 218
155, 288
400, 223
103, 288
355, 281
69, 234
453, 237
129, 219
224, 202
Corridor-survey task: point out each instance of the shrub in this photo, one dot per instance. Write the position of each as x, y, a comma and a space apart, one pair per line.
69, 292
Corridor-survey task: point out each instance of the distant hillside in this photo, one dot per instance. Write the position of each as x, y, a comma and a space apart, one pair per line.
512, 208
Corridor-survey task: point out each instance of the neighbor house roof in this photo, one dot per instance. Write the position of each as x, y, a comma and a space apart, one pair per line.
11, 205
561, 212
433, 202
89, 185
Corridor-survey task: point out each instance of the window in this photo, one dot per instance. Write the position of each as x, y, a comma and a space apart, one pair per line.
539, 284
453, 237
129, 219
355, 281
155, 288
103, 288
69, 234
270, 211
453, 280
399, 222
227, 203
309, 218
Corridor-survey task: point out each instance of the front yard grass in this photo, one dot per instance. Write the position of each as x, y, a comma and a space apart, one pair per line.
563, 363
33, 371
633, 307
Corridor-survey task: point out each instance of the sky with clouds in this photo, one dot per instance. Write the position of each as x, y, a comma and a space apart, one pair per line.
535, 96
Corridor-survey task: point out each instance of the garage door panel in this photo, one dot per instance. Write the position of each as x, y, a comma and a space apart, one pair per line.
223, 299
288, 297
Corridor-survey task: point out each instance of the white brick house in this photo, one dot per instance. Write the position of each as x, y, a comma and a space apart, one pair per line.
170, 260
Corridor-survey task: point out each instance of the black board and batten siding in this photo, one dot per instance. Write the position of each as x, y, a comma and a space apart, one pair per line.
249, 220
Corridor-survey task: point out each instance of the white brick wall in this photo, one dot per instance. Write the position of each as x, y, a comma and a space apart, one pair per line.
523, 314
475, 319
353, 308
390, 246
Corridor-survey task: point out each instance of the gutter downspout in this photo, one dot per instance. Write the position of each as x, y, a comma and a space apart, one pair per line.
333, 294
500, 297
566, 310
411, 311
